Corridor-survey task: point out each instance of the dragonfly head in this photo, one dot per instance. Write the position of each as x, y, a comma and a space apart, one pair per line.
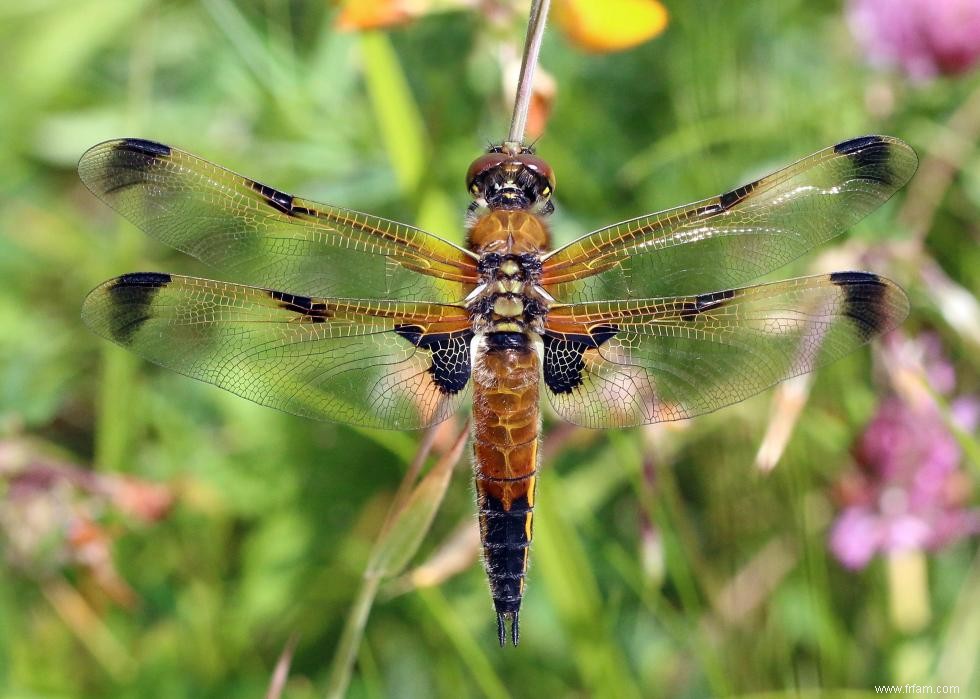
511, 176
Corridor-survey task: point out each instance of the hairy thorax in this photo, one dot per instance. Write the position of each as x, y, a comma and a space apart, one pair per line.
508, 301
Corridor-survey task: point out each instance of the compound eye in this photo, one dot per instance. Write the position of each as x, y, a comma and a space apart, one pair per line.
480, 166
543, 171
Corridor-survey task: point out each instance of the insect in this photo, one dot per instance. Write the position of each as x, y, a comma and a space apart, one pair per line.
348, 317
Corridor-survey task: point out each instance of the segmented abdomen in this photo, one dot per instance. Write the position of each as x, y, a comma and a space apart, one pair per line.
505, 445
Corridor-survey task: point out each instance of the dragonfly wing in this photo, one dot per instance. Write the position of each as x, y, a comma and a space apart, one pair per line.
269, 238
379, 364
616, 364
733, 238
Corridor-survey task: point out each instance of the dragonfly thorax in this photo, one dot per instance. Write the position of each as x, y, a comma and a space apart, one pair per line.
508, 298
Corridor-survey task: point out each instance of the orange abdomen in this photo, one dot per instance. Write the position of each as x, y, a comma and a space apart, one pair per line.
506, 428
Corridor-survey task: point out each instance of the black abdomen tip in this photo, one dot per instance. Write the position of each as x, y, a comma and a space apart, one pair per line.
515, 627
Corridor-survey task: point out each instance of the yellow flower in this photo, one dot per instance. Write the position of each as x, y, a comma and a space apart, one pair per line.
611, 25
592, 25
358, 15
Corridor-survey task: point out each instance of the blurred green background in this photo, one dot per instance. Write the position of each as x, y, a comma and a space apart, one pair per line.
666, 563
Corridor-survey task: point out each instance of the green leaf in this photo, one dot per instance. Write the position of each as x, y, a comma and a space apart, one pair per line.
405, 530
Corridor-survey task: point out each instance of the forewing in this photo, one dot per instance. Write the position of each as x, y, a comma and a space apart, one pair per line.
371, 363
268, 238
630, 363
735, 237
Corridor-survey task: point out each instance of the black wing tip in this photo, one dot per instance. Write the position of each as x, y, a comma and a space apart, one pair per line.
113, 166
146, 280
144, 146
128, 298
853, 145
850, 277
882, 158
153, 149
864, 301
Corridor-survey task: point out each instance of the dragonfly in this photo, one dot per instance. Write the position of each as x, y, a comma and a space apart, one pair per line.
343, 316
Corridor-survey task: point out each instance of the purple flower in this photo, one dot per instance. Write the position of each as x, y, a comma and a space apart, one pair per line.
924, 38
910, 492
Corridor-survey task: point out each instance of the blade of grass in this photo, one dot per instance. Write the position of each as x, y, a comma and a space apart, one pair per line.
67, 39
402, 130
398, 541
281, 673
574, 592
678, 540
406, 528
350, 639
89, 628
465, 645
960, 645
272, 66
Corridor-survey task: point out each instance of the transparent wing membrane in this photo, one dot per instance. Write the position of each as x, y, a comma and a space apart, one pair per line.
268, 238
615, 364
373, 363
733, 238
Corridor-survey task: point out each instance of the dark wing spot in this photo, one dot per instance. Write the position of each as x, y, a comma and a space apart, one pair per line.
730, 199
705, 302
727, 200
127, 163
139, 145
450, 367
154, 280
312, 311
863, 295
563, 356
870, 156
856, 144
412, 333
131, 296
280, 201
601, 334
844, 278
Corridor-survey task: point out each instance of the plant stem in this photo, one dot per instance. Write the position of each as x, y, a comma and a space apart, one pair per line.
350, 639
532, 47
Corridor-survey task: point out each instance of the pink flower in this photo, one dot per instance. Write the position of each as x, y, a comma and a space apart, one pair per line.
53, 515
910, 492
924, 38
